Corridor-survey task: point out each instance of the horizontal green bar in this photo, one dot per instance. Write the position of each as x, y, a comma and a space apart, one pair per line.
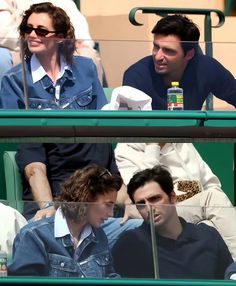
122, 282
180, 114
185, 114
116, 118
97, 122
77, 126
231, 115
99, 118
220, 123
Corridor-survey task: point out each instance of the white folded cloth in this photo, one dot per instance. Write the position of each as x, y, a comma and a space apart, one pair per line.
128, 98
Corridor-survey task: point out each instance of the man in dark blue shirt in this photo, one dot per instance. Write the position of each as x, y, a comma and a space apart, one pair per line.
173, 248
176, 57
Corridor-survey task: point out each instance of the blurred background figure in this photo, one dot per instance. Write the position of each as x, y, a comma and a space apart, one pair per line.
10, 224
6, 61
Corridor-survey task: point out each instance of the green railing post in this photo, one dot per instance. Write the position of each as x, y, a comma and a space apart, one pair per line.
77, 2
207, 26
209, 51
229, 5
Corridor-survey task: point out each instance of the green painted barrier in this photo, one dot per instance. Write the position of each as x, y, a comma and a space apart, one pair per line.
220, 158
121, 282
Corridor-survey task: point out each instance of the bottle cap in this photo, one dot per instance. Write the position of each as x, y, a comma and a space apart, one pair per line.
174, 83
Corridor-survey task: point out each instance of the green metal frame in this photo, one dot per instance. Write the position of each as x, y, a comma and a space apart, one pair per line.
77, 2
121, 281
207, 26
73, 126
229, 5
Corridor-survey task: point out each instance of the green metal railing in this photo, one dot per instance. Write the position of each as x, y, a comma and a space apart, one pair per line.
121, 282
77, 2
116, 126
229, 6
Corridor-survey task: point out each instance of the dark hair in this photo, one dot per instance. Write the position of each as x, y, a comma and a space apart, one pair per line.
61, 23
158, 174
180, 26
84, 186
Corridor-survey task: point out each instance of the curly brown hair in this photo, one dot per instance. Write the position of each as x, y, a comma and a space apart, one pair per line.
84, 186
61, 23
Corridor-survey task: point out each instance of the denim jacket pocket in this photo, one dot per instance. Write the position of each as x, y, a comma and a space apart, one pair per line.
62, 266
84, 100
103, 260
96, 265
42, 104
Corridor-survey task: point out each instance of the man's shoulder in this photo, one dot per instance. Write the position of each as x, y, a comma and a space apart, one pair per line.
202, 230
135, 235
144, 62
206, 60
129, 239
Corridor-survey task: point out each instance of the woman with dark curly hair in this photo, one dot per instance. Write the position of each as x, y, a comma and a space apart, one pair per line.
54, 77
71, 243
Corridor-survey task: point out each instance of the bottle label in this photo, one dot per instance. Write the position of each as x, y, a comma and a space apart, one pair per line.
3, 266
175, 101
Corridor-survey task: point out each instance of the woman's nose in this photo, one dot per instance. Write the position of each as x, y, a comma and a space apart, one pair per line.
110, 212
32, 34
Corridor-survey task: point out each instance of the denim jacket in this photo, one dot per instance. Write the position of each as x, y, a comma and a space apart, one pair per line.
80, 88
36, 252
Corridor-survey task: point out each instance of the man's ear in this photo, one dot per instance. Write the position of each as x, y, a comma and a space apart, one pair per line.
173, 197
190, 54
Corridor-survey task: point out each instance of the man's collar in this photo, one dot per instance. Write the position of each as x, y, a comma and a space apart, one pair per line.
189, 231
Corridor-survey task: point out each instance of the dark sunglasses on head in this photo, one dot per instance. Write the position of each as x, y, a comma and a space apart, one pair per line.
38, 31
104, 172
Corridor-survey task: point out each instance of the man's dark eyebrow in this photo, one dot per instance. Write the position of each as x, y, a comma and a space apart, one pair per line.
168, 49
163, 48
155, 45
140, 202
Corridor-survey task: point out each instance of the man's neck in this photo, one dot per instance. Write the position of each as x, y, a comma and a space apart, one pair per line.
172, 230
169, 78
174, 76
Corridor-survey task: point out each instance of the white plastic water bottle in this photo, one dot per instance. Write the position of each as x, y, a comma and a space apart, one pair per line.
175, 97
3, 263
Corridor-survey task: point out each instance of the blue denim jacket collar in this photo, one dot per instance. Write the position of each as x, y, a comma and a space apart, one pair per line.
38, 72
46, 81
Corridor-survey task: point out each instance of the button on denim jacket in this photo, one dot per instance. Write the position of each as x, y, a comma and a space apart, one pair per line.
36, 252
79, 88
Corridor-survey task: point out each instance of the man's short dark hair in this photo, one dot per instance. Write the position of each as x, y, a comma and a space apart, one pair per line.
158, 174
180, 26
